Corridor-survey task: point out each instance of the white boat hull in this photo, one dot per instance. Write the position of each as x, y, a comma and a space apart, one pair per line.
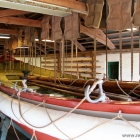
69, 126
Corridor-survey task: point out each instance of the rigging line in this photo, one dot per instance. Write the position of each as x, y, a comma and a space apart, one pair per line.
120, 36
13, 60
40, 53
10, 60
95, 45
76, 50
53, 122
62, 56
24, 58
71, 58
28, 57
21, 114
121, 88
33, 135
45, 49
32, 57
106, 45
75, 81
66, 56
55, 61
20, 57
139, 54
132, 45
35, 50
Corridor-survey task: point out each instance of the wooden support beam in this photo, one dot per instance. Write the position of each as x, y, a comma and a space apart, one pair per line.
84, 72
117, 51
77, 6
100, 36
43, 50
36, 52
8, 31
51, 45
20, 21
11, 12
80, 47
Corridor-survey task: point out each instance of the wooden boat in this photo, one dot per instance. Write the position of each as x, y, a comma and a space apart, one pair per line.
108, 86
70, 119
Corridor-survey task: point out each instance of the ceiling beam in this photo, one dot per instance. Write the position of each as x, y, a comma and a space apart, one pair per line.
100, 36
51, 45
20, 21
80, 47
77, 6
11, 12
8, 31
135, 50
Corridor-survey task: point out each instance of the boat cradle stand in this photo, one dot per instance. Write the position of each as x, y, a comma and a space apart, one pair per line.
5, 125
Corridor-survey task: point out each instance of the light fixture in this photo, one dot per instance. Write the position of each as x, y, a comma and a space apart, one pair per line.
4, 37
36, 7
45, 40
134, 29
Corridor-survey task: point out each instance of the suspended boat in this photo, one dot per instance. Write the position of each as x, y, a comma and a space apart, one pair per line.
70, 119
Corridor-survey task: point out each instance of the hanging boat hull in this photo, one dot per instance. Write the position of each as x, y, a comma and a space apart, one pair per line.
73, 125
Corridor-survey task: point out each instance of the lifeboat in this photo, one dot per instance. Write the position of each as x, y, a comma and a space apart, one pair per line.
51, 118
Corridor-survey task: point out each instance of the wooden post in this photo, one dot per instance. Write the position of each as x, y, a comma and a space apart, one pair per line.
62, 56
94, 55
131, 52
54, 61
120, 55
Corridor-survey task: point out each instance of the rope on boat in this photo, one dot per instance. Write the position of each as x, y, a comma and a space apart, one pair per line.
11, 122
55, 61
121, 88
52, 122
120, 36
71, 58
132, 45
21, 114
75, 81
128, 94
76, 53
134, 93
95, 48
119, 116
134, 89
33, 135
87, 82
139, 53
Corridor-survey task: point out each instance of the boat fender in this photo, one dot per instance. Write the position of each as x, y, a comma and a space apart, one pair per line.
102, 97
